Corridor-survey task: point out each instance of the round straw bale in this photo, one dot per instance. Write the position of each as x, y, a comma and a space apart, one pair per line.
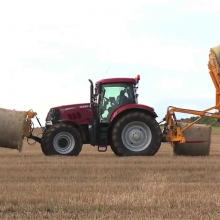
214, 59
11, 130
198, 132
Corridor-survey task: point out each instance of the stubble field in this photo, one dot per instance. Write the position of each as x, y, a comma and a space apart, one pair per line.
102, 186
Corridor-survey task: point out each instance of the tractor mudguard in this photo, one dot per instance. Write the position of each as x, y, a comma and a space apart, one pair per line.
73, 123
134, 106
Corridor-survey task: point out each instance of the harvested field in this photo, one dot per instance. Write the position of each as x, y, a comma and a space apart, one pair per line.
103, 186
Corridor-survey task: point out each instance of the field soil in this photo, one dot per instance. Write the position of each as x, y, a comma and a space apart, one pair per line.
102, 186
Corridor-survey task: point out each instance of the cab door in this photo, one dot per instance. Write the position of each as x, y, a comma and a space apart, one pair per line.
110, 99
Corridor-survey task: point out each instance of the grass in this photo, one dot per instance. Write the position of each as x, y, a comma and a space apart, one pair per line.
103, 186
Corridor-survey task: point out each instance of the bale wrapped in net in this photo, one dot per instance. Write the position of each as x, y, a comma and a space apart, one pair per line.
197, 132
12, 127
214, 59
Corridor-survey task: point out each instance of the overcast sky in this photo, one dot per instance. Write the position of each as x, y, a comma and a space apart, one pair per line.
49, 49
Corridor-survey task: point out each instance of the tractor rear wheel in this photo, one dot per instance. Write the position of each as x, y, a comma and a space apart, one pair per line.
61, 139
136, 134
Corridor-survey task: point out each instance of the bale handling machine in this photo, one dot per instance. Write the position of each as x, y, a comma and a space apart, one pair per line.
115, 118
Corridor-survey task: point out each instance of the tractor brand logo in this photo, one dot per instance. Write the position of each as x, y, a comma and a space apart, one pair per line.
84, 106
75, 107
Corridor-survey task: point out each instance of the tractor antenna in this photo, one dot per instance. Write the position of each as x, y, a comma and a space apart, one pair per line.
106, 72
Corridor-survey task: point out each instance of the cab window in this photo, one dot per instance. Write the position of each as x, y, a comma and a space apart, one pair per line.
111, 98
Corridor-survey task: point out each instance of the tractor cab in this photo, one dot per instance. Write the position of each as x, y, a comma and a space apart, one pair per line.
108, 96
114, 93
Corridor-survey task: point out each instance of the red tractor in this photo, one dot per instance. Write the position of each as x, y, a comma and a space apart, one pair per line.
112, 118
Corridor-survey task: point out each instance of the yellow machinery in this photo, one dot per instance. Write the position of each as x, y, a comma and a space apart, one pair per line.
175, 133
27, 129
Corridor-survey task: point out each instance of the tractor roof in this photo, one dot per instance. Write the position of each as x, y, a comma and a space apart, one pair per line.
118, 80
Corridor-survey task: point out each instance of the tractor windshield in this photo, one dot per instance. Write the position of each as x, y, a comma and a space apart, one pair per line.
113, 96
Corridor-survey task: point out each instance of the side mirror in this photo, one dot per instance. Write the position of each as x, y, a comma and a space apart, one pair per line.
100, 88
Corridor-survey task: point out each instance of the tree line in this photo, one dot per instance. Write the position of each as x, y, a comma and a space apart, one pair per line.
204, 120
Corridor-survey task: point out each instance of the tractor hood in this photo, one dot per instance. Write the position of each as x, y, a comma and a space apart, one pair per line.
79, 113
72, 106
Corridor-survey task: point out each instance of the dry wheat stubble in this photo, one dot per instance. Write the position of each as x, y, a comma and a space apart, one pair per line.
102, 186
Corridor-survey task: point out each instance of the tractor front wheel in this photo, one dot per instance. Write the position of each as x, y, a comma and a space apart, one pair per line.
62, 139
136, 134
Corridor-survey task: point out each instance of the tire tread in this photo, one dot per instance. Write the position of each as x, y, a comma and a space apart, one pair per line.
116, 143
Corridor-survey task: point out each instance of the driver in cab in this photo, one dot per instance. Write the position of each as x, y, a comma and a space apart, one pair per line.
122, 99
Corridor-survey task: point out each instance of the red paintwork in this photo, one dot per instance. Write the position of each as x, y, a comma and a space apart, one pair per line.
130, 106
75, 113
71, 105
82, 115
118, 80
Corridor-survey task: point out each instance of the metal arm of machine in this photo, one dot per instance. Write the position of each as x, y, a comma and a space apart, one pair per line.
172, 132
27, 128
